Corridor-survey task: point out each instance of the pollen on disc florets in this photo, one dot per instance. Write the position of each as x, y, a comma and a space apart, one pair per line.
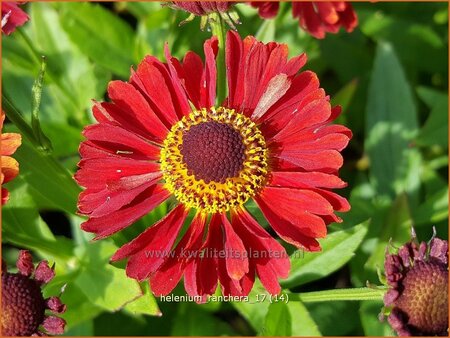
214, 160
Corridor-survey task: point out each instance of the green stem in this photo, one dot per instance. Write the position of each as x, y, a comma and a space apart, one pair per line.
355, 294
16, 118
219, 30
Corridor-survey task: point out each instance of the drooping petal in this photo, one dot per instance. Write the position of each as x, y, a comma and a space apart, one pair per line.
55, 305
303, 237
54, 325
148, 251
236, 255
165, 279
111, 223
44, 273
25, 263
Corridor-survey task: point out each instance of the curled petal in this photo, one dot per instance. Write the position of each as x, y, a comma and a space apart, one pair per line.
54, 325
44, 273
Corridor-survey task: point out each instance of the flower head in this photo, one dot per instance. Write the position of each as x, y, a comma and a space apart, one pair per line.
12, 17
418, 288
318, 18
23, 306
208, 10
203, 7
270, 141
9, 166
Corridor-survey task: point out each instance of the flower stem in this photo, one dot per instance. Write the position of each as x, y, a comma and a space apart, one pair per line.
355, 294
219, 30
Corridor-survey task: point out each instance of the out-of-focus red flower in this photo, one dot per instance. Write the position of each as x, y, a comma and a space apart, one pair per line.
23, 306
12, 17
203, 7
272, 140
9, 166
318, 18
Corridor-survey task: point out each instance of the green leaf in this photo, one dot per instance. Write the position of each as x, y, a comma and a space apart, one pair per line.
191, 320
104, 285
255, 312
49, 182
433, 210
345, 95
146, 304
396, 227
100, 35
278, 320
372, 325
435, 129
390, 127
337, 249
303, 324
266, 31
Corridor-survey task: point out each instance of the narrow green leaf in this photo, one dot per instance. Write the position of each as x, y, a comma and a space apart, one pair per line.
337, 249
278, 321
391, 125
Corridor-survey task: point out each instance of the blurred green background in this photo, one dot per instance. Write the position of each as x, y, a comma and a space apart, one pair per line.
390, 75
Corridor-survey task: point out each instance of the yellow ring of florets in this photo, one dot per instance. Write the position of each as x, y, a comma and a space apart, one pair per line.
214, 197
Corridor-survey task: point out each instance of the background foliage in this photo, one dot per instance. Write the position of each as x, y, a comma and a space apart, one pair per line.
390, 75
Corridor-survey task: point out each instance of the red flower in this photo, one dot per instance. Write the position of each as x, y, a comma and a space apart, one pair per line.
23, 306
12, 17
203, 7
9, 166
271, 141
317, 18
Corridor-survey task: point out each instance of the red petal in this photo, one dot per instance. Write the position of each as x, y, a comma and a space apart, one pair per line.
120, 141
276, 88
266, 9
180, 94
268, 278
157, 91
10, 143
13, 17
258, 239
149, 250
169, 274
44, 273
291, 233
54, 325
25, 263
113, 222
127, 98
339, 203
236, 255
305, 180
55, 305
290, 202
328, 161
